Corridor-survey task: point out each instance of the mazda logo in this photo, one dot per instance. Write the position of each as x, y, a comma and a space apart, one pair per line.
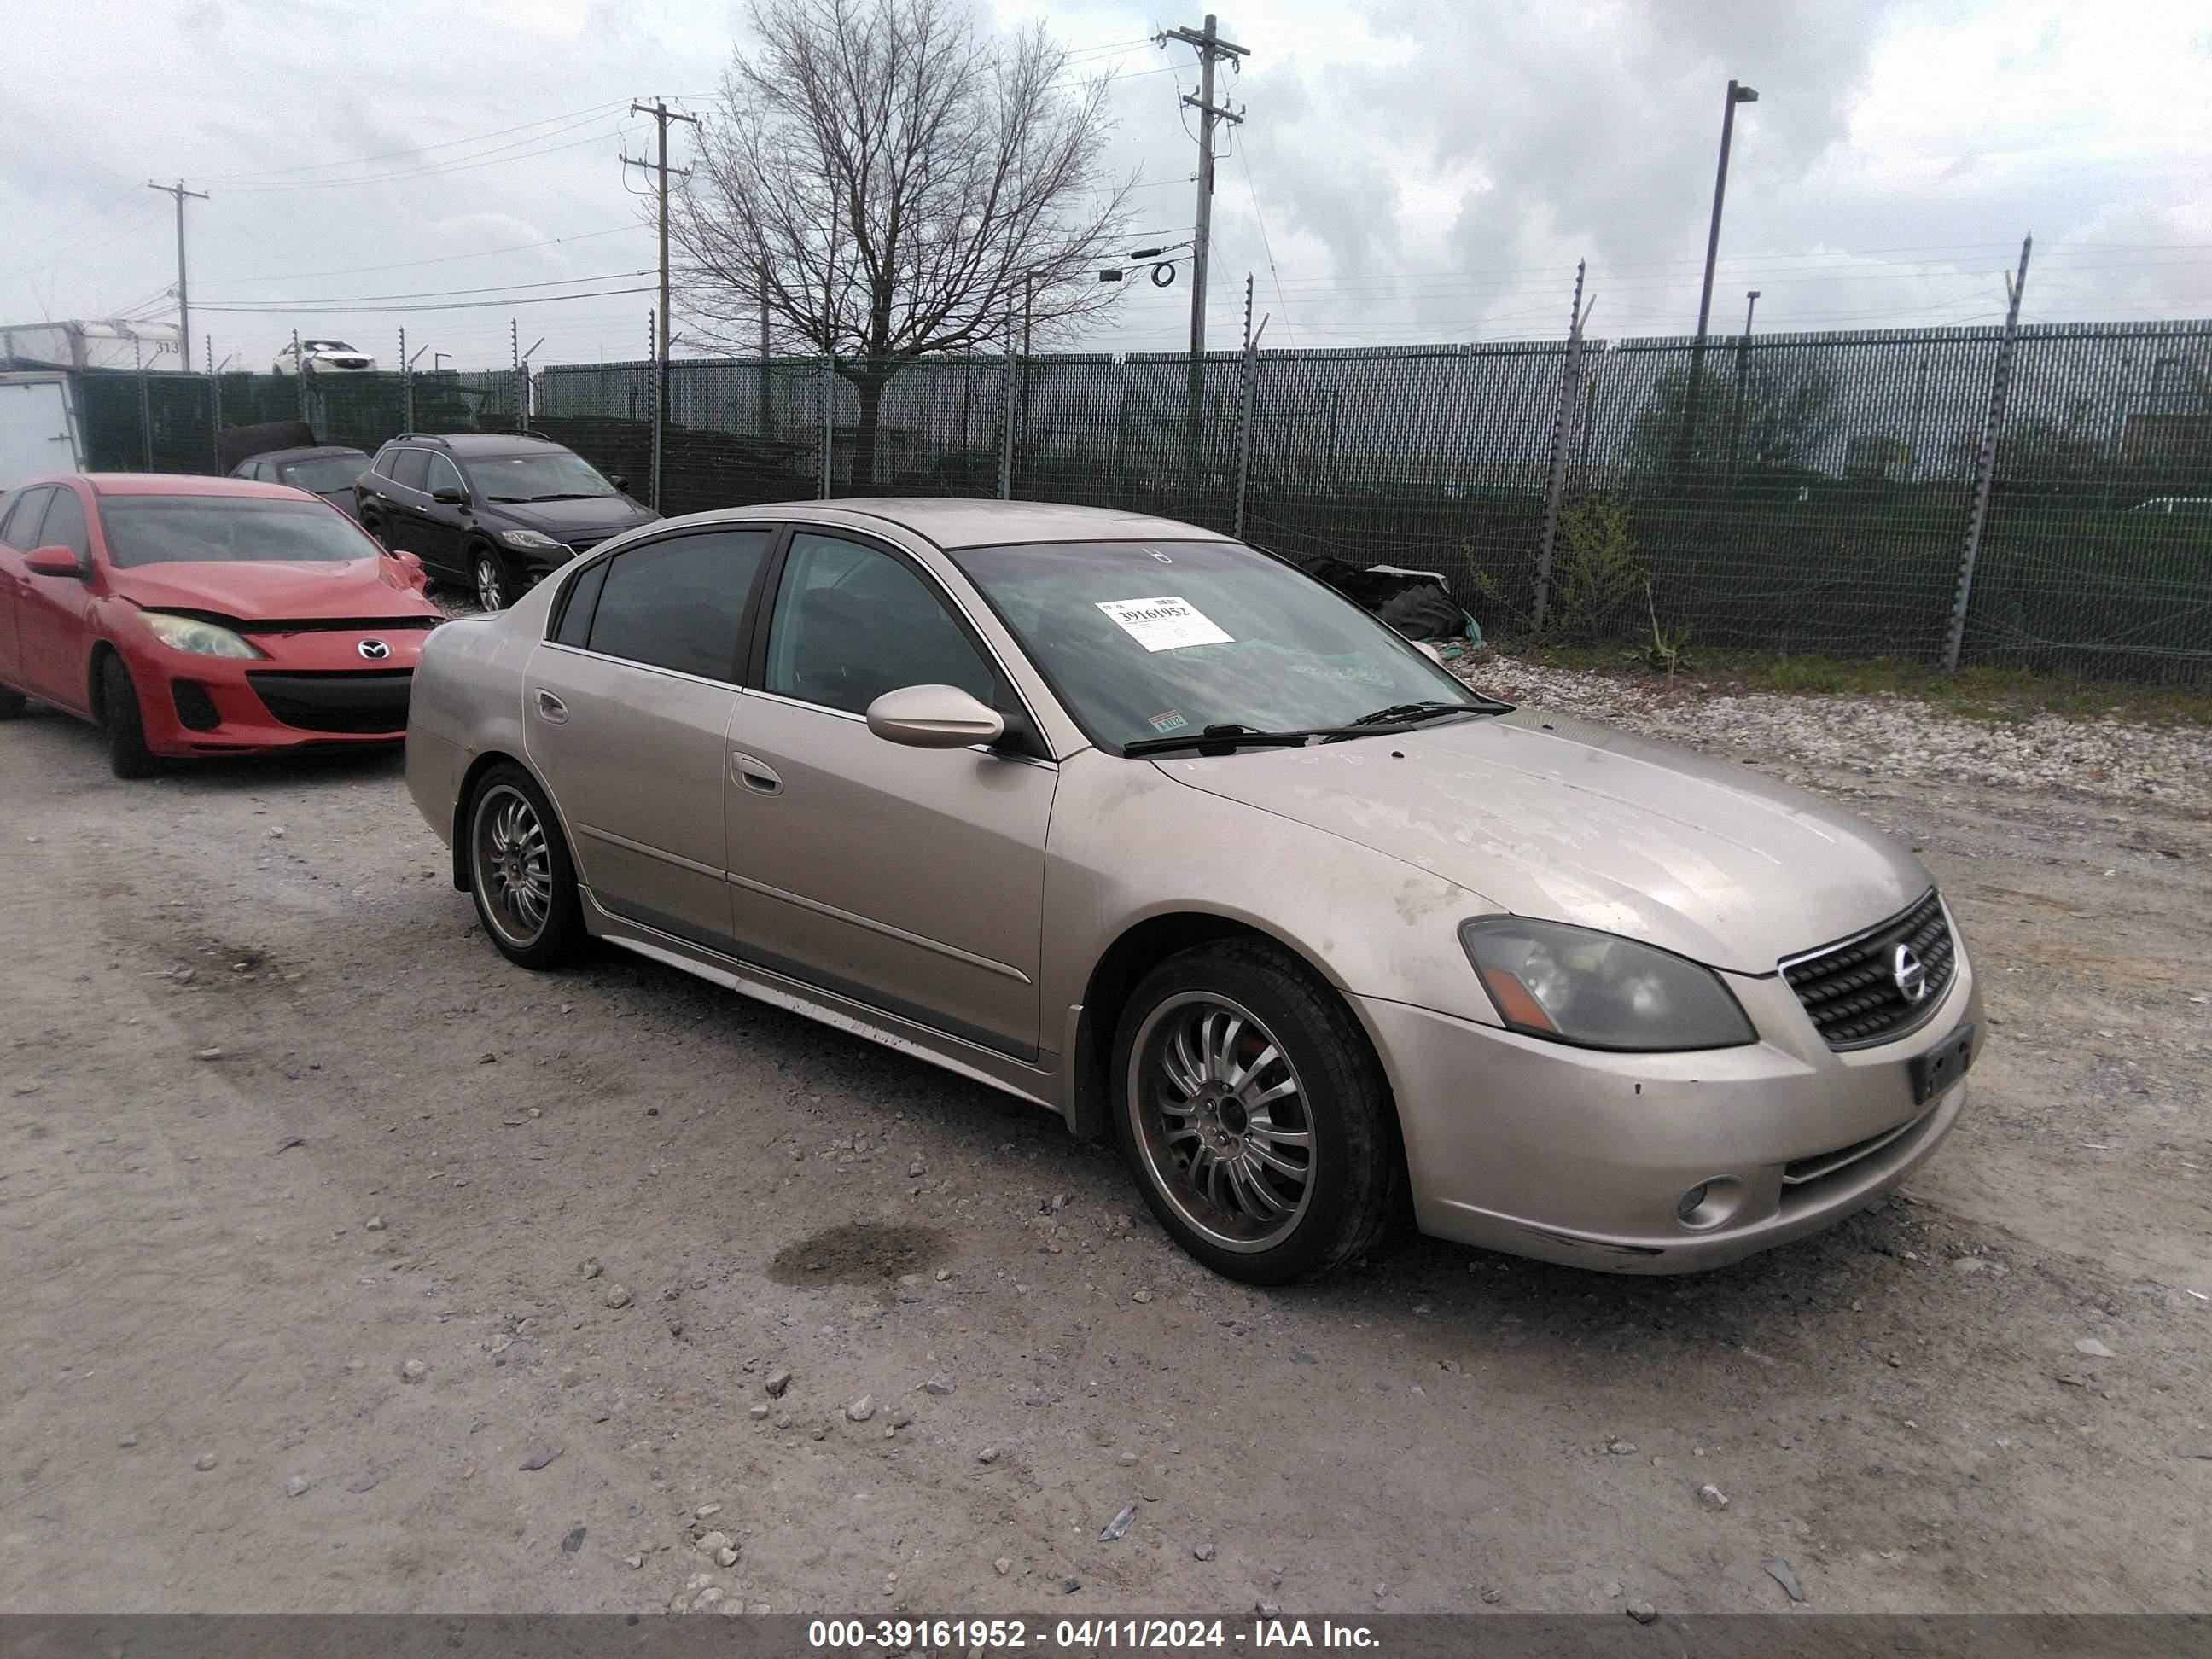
1910, 975
374, 650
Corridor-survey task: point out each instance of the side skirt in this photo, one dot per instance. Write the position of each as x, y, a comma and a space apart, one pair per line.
1040, 1085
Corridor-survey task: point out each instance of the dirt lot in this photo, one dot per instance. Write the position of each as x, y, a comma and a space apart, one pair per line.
278, 1122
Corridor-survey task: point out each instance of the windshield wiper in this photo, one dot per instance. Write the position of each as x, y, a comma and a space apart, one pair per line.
1413, 714
569, 496
1220, 739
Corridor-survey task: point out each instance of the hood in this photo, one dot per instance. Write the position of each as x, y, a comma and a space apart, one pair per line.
1565, 820
593, 519
276, 590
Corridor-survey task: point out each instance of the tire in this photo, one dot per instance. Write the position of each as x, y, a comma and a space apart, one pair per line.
1317, 1187
11, 704
519, 872
128, 756
496, 585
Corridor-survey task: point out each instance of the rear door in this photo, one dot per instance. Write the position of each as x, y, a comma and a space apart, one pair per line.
625, 710
51, 620
404, 494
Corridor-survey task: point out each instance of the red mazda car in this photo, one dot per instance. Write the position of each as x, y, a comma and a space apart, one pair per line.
193, 617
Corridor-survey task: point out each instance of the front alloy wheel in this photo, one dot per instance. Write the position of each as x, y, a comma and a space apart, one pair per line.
1254, 1115
494, 591
519, 872
1221, 1122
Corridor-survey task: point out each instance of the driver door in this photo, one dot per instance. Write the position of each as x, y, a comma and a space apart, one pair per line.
912, 879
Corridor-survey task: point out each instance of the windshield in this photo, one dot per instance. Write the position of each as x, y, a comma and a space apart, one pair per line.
538, 476
1145, 639
205, 529
328, 345
324, 473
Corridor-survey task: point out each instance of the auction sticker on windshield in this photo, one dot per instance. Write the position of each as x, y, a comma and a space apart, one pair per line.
1168, 623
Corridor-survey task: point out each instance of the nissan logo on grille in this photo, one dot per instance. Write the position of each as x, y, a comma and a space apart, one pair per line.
374, 650
1910, 975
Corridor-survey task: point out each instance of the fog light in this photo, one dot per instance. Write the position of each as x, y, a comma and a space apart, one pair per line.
1709, 1204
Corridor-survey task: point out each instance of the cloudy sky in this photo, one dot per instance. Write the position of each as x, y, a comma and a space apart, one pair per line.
1408, 172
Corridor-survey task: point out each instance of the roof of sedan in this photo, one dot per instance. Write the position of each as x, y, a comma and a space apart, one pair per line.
953, 522
304, 452
185, 484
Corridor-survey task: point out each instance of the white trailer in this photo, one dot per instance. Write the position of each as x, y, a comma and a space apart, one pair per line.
38, 432
91, 345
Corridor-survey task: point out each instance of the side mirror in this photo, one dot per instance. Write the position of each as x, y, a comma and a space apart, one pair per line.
1430, 651
450, 496
618, 481
934, 717
55, 561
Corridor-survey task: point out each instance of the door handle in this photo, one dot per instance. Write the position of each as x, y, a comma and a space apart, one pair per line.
550, 707
756, 776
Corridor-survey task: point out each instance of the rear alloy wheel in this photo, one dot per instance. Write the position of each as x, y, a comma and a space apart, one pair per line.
519, 872
128, 756
1253, 1116
496, 588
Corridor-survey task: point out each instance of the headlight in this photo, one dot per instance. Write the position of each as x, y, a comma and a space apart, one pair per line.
202, 639
1597, 990
528, 539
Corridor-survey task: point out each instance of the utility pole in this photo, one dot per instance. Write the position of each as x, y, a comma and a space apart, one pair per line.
1211, 49
662, 115
184, 305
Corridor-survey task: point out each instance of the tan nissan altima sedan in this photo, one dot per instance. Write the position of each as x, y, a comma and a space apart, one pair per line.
1152, 829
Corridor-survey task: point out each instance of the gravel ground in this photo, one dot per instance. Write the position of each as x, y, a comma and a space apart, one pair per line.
344, 1267
1888, 736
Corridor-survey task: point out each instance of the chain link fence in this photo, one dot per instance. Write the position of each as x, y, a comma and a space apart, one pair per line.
1797, 493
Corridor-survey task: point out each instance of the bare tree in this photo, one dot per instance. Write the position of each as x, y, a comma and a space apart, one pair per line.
892, 183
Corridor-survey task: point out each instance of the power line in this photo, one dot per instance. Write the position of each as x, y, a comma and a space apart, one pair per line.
442, 259
469, 165
418, 150
448, 293
454, 304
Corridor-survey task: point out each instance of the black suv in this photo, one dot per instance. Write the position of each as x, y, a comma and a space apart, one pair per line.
496, 512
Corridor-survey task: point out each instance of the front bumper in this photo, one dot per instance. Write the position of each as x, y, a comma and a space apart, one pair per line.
314, 690
1575, 1156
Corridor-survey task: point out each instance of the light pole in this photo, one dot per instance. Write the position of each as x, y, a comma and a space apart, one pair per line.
1737, 94
1742, 361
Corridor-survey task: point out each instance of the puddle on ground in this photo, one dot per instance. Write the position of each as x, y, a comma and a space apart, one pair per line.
859, 1253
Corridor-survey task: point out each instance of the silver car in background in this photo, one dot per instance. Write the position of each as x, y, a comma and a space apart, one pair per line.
1152, 829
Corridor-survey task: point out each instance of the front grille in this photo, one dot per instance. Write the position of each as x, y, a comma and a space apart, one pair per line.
338, 625
1851, 989
196, 710
363, 703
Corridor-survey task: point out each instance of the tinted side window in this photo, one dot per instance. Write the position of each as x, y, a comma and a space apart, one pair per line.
681, 604
582, 599
851, 623
21, 527
65, 525
409, 468
444, 475
385, 457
